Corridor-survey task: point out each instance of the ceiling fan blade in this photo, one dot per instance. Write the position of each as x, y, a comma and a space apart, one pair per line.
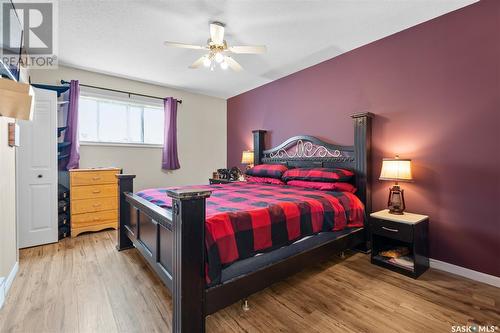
233, 64
257, 49
217, 33
184, 46
197, 63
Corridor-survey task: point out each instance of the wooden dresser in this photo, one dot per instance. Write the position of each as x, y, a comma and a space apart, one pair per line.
94, 199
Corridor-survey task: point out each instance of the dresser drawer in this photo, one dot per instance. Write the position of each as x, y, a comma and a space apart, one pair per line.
93, 205
94, 191
75, 231
94, 177
394, 230
85, 219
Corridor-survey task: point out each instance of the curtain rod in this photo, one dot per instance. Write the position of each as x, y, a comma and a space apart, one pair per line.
120, 91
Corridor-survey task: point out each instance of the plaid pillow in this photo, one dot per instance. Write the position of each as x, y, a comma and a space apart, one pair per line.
265, 180
318, 175
336, 187
267, 170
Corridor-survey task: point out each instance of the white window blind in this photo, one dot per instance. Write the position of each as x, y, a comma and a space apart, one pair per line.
108, 120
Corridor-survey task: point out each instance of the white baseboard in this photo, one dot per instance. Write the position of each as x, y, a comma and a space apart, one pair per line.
6, 283
465, 272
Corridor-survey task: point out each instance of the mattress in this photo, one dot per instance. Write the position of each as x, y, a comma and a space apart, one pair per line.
245, 219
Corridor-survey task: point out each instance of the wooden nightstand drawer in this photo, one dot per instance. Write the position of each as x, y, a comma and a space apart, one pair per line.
394, 230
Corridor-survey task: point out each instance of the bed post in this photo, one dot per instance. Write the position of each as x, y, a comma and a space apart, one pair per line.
188, 218
362, 153
125, 185
258, 145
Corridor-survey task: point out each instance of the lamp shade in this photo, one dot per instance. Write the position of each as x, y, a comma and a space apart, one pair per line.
396, 169
247, 157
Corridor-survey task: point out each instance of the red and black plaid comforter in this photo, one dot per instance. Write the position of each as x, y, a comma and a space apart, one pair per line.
243, 219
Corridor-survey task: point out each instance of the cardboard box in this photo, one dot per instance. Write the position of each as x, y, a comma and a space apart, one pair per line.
16, 99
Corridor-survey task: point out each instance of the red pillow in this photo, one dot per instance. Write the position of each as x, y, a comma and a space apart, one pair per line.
318, 174
267, 170
265, 180
338, 187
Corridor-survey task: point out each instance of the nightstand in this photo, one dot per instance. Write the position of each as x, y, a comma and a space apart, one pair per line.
389, 231
213, 181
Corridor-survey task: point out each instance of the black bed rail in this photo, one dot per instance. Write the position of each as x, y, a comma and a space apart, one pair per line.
172, 242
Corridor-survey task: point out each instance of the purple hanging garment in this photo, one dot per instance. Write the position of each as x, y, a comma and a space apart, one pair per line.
71, 133
170, 160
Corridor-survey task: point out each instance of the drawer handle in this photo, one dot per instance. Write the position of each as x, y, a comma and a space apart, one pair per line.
391, 230
96, 191
96, 178
97, 205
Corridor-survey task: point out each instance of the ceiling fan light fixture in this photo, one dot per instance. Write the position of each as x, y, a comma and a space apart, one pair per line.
207, 62
218, 49
219, 57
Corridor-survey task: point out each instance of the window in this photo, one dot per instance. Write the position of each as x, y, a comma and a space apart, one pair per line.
104, 120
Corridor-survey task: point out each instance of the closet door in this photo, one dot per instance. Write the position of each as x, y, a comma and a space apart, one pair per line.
36, 165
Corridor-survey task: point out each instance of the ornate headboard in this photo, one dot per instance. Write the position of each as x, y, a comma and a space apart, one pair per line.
309, 151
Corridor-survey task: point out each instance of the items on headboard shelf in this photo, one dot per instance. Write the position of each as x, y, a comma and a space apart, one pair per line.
229, 174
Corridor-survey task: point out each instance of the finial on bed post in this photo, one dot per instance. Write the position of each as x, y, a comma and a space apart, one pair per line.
362, 152
258, 145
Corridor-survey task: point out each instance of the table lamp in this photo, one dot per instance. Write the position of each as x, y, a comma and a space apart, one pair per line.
247, 158
396, 169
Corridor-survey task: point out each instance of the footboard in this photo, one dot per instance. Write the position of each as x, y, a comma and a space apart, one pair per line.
172, 242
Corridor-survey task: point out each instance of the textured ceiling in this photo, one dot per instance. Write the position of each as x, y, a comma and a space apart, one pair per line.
124, 38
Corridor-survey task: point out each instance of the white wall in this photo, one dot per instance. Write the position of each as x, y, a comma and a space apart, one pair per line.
8, 238
201, 130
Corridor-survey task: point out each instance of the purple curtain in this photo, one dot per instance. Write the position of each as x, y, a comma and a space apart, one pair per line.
71, 133
170, 159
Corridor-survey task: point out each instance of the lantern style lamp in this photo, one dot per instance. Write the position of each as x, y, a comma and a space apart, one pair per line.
247, 158
396, 169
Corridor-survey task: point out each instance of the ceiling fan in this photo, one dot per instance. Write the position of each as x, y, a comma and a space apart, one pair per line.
218, 50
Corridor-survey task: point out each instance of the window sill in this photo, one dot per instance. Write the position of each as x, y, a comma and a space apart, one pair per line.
118, 144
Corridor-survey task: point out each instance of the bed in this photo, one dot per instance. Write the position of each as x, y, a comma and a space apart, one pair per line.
214, 245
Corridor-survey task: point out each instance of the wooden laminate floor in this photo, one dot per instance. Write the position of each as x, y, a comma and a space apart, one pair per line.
85, 285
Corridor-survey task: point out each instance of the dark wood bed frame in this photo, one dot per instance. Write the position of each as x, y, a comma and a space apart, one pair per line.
173, 242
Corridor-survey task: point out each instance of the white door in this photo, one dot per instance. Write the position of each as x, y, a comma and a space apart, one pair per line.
36, 166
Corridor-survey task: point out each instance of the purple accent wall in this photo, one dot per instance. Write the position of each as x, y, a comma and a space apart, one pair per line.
435, 91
